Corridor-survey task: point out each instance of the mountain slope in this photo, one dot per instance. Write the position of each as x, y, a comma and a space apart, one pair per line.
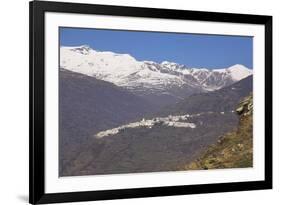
88, 105
234, 149
145, 149
165, 140
161, 84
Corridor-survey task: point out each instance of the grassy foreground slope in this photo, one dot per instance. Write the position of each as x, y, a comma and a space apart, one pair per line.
234, 149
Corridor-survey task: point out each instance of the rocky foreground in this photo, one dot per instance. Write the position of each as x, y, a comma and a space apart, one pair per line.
233, 150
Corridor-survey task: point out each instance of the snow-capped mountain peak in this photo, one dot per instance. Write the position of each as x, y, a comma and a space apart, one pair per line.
143, 77
168, 63
239, 71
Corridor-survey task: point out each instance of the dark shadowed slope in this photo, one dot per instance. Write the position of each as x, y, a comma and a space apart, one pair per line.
222, 100
88, 105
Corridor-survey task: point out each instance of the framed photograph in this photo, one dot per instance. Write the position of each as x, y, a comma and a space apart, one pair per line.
130, 102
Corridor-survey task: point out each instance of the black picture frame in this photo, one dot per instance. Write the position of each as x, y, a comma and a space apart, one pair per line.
37, 194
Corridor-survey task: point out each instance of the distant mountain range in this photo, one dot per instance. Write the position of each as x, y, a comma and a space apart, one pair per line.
159, 83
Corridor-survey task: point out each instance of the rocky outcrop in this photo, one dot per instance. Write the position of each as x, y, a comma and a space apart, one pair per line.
245, 107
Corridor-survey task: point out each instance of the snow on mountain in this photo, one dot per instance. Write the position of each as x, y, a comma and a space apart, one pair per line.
239, 72
120, 69
169, 78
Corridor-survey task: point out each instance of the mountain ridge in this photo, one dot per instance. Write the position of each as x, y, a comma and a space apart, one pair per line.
221, 100
167, 81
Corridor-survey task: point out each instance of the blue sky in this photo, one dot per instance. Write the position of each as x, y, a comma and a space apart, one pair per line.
193, 50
